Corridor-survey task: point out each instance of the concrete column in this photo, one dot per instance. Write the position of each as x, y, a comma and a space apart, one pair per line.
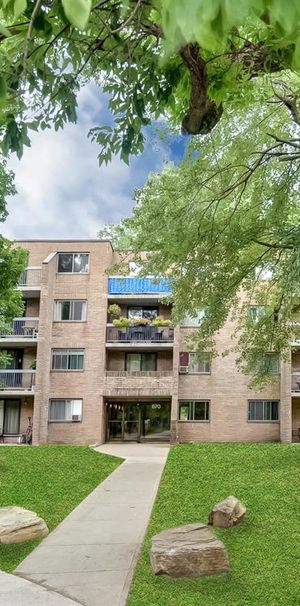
285, 402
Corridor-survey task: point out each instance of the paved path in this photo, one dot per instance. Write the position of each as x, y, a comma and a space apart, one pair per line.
91, 555
19, 592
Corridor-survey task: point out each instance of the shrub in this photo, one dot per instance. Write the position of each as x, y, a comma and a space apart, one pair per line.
121, 322
114, 310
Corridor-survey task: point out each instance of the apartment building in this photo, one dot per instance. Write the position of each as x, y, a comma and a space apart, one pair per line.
85, 378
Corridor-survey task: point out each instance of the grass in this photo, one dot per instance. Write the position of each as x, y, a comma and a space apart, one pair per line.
50, 480
264, 550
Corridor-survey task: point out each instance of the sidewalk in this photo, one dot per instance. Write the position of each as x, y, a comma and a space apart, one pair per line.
91, 555
14, 590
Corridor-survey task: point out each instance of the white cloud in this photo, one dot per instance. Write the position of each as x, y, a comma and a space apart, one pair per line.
62, 192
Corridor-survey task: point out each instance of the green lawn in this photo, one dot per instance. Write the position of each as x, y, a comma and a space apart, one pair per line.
50, 480
264, 550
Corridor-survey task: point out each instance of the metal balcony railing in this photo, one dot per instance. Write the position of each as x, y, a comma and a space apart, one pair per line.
132, 285
22, 327
31, 276
139, 334
17, 379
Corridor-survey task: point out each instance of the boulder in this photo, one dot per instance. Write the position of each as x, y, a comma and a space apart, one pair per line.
188, 551
18, 525
227, 513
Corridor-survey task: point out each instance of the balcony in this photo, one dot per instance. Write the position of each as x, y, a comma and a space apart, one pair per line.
19, 382
131, 287
30, 282
22, 330
134, 336
126, 384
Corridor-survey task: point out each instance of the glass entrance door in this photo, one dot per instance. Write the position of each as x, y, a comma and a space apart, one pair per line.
155, 421
138, 421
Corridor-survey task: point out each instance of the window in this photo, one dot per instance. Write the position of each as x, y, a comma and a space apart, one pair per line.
190, 361
268, 363
73, 263
67, 359
65, 410
74, 310
264, 273
257, 312
263, 410
194, 410
136, 362
193, 321
142, 312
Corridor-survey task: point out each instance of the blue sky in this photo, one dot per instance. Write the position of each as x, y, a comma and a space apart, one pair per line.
62, 191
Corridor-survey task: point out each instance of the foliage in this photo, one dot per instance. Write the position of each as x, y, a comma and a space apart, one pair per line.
121, 322
50, 480
160, 321
12, 262
114, 310
160, 58
263, 476
223, 218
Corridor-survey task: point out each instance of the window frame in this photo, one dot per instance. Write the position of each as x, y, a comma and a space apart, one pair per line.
73, 262
191, 412
69, 352
265, 402
65, 400
71, 301
140, 353
196, 372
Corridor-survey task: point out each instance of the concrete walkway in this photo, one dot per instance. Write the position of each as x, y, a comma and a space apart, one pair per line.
15, 591
91, 555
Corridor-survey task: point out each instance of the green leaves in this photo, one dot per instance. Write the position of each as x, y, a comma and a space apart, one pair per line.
19, 7
77, 12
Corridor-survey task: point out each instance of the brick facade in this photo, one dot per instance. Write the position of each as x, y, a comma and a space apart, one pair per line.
104, 377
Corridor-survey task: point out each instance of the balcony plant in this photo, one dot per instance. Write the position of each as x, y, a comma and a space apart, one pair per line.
140, 322
121, 322
114, 310
160, 321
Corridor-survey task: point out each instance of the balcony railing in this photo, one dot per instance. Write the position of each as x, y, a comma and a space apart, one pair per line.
131, 285
157, 374
22, 327
31, 276
17, 380
140, 334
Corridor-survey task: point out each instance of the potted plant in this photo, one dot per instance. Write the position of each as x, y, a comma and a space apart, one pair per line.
140, 322
160, 321
121, 322
114, 310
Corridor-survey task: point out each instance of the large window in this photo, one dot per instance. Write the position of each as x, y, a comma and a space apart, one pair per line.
194, 320
142, 312
65, 410
67, 359
193, 410
136, 362
263, 410
73, 263
268, 363
190, 362
74, 310
257, 312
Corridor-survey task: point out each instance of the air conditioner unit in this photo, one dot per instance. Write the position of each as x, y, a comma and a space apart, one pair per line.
183, 370
76, 418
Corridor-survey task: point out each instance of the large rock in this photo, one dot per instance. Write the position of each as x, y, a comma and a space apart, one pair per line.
227, 513
18, 525
188, 551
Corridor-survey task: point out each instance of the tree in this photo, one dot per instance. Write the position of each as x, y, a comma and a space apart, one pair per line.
223, 221
180, 59
12, 262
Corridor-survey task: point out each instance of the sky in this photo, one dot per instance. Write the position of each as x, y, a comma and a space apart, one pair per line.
62, 191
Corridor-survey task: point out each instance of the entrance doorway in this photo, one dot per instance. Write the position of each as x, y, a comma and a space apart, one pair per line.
10, 417
138, 421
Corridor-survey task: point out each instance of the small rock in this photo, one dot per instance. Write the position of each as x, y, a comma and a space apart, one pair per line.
18, 524
188, 551
227, 513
